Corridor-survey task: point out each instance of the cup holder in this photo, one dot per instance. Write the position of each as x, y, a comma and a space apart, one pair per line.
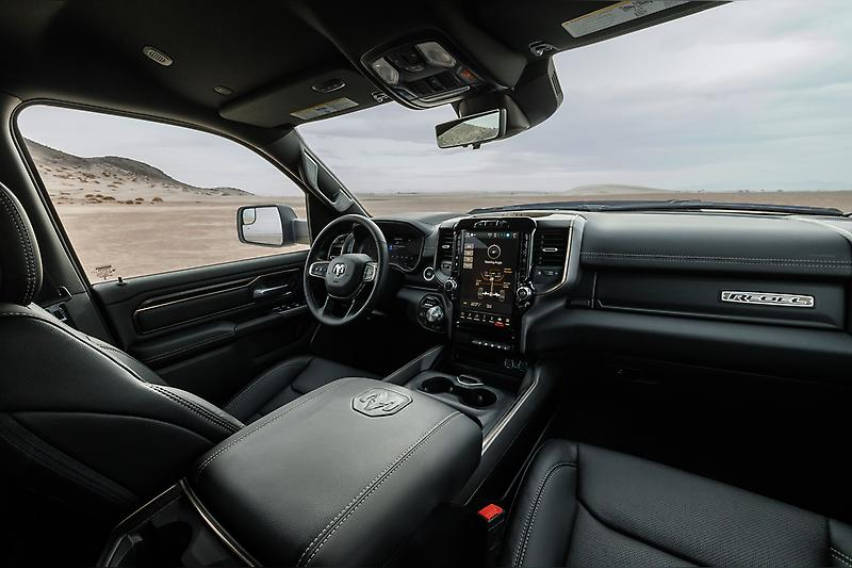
478, 397
436, 385
475, 397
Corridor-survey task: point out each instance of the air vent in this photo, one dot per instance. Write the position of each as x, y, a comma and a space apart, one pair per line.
549, 250
550, 247
444, 255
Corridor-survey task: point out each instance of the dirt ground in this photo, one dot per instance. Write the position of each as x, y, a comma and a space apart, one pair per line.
129, 240
132, 240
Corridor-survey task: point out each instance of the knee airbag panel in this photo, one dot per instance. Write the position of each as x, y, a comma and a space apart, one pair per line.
339, 476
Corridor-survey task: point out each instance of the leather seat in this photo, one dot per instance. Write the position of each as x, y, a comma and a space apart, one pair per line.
581, 505
86, 422
285, 382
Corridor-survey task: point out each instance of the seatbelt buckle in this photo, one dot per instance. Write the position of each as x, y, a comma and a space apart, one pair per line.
494, 518
493, 515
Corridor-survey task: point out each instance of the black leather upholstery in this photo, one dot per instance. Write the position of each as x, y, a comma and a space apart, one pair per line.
285, 382
81, 419
20, 261
319, 482
92, 414
580, 505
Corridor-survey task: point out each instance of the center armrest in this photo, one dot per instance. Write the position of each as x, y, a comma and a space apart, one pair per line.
340, 476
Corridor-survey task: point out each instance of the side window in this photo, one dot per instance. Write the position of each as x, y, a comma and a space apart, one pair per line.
138, 197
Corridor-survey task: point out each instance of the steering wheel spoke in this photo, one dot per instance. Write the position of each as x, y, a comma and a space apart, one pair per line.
332, 307
318, 269
371, 271
353, 301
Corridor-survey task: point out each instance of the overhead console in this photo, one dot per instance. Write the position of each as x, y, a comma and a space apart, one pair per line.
424, 72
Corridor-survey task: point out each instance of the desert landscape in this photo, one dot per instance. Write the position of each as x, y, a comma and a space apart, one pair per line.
127, 218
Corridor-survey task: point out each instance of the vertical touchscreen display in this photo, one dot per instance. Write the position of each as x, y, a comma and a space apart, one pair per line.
488, 270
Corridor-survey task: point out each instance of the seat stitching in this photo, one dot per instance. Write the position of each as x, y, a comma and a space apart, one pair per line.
254, 383
838, 551
529, 520
626, 534
366, 488
525, 525
420, 443
204, 413
112, 348
97, 349
9, 205
535, 513
248, 431
29, 254
847, 560
120, 415
70, 469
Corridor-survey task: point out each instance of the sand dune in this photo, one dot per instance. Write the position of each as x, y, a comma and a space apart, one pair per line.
111, 179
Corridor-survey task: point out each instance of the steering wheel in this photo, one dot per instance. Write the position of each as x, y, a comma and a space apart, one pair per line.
345, 288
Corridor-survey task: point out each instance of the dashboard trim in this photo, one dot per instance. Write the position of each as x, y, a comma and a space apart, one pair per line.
504, 420
568, 241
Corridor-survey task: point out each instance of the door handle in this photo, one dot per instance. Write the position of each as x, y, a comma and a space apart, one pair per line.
261, 293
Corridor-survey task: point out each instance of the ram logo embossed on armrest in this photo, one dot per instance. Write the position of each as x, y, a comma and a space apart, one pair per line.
380, 402
769, 299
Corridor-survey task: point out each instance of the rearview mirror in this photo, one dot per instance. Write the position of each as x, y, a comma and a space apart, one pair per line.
271, 226
472, 130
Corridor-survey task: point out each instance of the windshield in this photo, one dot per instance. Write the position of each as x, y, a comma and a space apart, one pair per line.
748, 102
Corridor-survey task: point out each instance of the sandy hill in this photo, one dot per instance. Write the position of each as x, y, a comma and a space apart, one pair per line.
72, 179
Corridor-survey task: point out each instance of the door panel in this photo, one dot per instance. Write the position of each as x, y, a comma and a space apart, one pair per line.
210, 303
210, 330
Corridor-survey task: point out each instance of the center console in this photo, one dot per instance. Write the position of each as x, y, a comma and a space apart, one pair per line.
341, 476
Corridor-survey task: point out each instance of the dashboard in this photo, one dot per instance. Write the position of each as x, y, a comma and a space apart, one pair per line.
756, 293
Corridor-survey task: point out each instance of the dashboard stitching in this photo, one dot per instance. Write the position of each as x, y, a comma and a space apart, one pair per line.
810, 262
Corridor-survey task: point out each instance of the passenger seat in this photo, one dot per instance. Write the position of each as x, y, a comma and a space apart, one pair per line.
581, 505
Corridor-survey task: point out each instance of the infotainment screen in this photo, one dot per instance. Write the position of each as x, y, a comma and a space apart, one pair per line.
488, 268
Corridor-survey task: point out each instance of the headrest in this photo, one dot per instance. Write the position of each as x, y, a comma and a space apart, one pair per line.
20, 261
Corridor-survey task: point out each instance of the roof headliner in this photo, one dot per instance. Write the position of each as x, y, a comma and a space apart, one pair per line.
90, 52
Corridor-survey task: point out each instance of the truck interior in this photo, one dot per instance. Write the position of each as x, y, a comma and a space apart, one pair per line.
565, 382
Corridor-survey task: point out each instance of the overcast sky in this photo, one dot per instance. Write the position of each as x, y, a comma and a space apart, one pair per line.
752, 95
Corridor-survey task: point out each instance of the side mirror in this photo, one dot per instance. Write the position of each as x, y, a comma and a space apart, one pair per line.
472, 130
271, 226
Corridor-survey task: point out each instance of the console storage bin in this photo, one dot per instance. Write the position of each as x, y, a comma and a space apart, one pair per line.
340, 476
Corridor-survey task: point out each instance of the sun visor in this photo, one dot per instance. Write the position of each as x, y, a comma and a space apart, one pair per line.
311, 97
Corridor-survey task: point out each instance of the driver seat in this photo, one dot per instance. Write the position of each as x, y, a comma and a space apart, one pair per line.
286, 382
82, 421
